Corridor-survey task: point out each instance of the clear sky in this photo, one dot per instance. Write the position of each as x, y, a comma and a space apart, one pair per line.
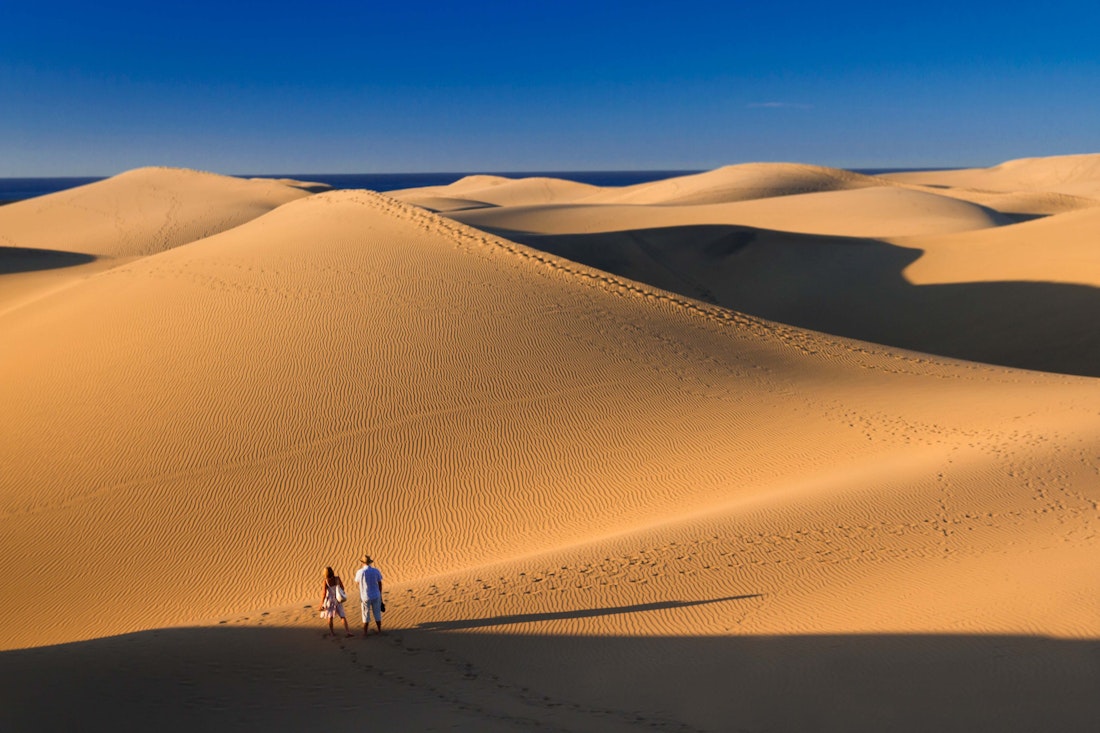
94, 88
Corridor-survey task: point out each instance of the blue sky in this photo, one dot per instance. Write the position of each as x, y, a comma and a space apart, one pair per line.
250, 87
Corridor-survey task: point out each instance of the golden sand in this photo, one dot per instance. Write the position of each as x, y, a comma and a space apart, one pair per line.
600, 501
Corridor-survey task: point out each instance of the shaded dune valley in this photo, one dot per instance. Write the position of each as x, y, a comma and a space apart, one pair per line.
768, 448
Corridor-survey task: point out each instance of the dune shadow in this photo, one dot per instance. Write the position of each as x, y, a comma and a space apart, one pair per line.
478, 623
24, 259
1021, 217
851, 287
276, 679
310, 187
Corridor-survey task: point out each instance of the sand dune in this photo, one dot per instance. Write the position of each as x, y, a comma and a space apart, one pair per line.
1058, 249
307, 186
762, 181
501, 191
737, 183
723, 185
142, 211
957, 305
551, 462
491, 405
868, 212
1074, 175
1023, 204
892, 265
444, 203
101, 225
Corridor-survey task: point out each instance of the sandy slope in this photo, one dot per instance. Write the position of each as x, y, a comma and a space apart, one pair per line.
723, 185
500, 191
866, 212
363, 356
1057, 249
1022, 204
1073, 175
738, 183
1031, 305
1030, 187
444, 203
141, 212
52, 241
598, 505
915, 267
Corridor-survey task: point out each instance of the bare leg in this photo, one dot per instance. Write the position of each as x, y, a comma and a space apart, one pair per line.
330, 631
347, 631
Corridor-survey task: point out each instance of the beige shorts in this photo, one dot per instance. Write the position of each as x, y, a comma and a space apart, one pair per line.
375, 605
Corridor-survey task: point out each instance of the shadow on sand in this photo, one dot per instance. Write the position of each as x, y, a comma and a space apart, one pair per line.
21, 259
479, 623
851, 287
275, 679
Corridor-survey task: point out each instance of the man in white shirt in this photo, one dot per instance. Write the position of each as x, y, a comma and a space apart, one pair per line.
369, 579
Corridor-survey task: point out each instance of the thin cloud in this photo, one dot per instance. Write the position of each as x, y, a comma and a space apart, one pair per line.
778, 105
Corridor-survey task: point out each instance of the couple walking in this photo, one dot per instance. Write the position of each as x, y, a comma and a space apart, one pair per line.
369, 580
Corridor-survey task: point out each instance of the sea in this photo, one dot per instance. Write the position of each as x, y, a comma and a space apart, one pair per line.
17, 189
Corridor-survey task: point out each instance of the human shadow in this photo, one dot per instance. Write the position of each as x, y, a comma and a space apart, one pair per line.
478, 623
25, 259
851, 287
289, 678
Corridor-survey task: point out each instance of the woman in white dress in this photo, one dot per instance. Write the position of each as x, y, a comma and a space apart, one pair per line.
331, 606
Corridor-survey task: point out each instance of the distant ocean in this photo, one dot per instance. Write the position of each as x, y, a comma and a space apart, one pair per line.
17, 189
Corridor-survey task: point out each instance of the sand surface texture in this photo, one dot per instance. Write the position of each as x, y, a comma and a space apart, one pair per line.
600, 501
1073, 175
1006, 277
53, 241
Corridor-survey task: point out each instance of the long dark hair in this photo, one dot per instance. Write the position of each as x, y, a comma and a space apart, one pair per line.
329, 575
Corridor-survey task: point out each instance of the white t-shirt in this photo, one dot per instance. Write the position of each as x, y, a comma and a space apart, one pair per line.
368, 578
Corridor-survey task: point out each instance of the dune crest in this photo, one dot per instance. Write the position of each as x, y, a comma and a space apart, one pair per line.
134, 214
737, 183
1007, 278
1074, 175
501, 191
141, 212
1056, 249
865, 212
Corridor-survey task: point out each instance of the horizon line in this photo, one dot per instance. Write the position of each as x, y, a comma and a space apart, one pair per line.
479, 171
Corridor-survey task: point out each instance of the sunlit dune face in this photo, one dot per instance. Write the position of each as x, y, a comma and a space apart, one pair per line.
679, 430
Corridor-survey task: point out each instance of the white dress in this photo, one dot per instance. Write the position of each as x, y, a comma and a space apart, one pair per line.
331, 608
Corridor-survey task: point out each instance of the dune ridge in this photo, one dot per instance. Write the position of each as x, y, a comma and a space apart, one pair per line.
141, 212
1074, 175
1058, 249
741, 182
1013, 284
723, 185
1029, 187
864, 212
500, 191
